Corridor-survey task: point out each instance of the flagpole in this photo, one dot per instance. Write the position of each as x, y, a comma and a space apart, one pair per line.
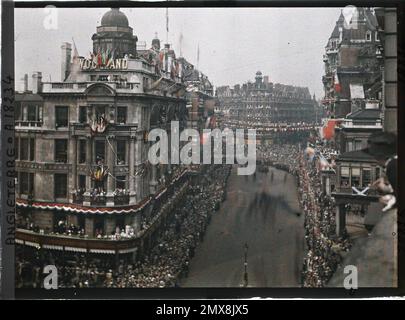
167, 25
198, 56
181, 43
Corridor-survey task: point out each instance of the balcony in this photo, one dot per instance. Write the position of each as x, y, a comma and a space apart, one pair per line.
80, 87
76, 243
364, 124
331, 50
28, 123
98, 200
125, 85
121, 200
78, 197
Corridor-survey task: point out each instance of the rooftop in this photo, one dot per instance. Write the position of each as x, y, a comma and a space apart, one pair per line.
358, 155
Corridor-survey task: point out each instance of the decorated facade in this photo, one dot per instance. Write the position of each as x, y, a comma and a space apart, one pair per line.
82, 145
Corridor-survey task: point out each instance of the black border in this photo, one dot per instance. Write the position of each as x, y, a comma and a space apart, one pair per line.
208, 3
222, 293
7, 196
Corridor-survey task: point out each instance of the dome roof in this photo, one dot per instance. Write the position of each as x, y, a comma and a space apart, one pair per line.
156, 42
258, 73
114, 18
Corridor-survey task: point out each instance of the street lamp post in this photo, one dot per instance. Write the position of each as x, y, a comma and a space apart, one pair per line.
246, 273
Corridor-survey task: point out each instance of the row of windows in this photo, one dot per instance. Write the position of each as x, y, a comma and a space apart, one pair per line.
334, 43
356, 177
28, 114
99, 111
120, 183
356, 144
33, 114
25, 150
26, 183
369, 35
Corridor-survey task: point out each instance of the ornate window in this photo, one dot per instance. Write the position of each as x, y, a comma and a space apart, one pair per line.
60, 185
344, 177
26, 181
61, 150
366, 177
82, 114
100, 151
82, 151
121, 115
355, 177
27, 149
61, 117
121, 152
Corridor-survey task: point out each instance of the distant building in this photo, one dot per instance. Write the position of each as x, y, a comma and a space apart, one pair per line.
267, 102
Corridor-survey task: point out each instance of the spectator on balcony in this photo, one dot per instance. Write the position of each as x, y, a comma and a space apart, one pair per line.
383, 147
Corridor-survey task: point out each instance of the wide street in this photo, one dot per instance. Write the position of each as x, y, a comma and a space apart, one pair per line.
262, 212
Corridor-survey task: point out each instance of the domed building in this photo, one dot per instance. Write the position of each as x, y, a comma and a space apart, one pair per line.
115, 35
259, 79
82, 146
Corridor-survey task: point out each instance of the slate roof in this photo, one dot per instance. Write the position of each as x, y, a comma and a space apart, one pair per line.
358, 155
365, 114
28, 97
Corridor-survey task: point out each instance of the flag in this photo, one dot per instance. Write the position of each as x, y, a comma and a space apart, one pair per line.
323, 164
167, 19
99, 59
337, 85
107, 57
161, 58
329, 129
198, 54
181, 43
75, 53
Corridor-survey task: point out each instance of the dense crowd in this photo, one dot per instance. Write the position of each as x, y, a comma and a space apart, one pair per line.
283, 156
161, 266
322, 246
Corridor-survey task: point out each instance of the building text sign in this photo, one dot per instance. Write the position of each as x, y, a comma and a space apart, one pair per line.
92, 64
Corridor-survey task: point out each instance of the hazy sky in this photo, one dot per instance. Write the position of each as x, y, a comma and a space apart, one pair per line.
286, 44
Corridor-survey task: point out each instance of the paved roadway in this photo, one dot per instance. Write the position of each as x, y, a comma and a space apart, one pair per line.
261, 212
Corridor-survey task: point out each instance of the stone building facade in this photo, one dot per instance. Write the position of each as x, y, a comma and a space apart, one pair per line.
82, 143
265, 102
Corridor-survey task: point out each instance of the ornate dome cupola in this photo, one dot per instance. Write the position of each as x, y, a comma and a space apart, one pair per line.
114, 36
114, 18
259, 78
156, 42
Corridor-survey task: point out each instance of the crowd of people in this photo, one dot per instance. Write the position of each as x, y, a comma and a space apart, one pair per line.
322, 246
163, 265
282, 156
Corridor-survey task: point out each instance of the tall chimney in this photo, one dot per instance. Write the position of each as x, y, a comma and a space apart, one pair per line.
36, 82
26, 82
66, 59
